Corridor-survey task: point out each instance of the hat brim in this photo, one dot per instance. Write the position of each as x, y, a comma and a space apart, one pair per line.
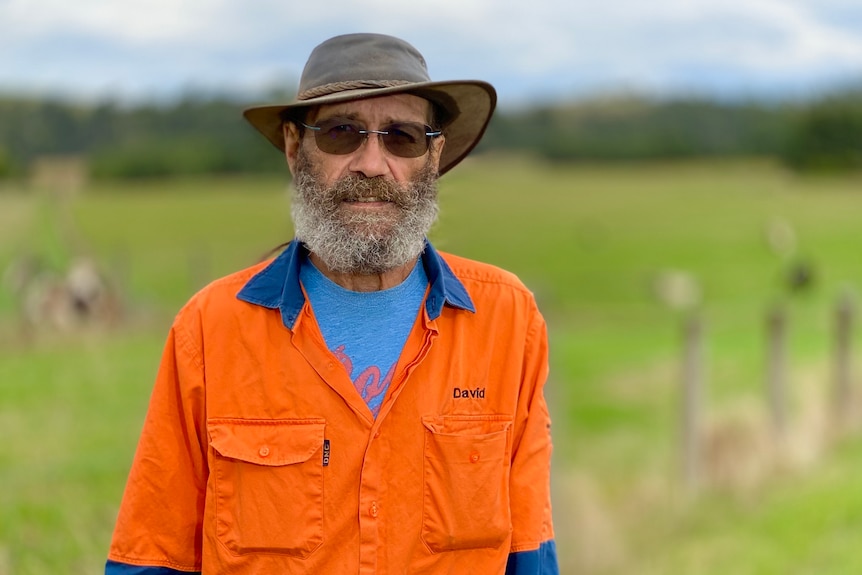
470, 102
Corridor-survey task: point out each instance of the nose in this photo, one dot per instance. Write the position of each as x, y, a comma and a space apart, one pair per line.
370, 159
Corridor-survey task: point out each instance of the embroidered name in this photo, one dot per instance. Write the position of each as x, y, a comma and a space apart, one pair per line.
458, 393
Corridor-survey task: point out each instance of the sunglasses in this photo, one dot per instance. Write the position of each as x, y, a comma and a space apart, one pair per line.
403, 139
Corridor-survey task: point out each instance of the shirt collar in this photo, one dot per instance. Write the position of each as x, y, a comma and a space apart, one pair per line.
277, 285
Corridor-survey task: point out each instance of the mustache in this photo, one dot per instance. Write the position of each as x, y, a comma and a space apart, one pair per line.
354, 187
407, 196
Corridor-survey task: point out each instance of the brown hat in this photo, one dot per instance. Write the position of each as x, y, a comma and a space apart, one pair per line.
359, 66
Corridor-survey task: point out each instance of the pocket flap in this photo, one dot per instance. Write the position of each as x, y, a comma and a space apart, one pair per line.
267, 441
466, 424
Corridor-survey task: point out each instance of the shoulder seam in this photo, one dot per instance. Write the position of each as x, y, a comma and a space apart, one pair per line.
487, 273
185, 340
240, 277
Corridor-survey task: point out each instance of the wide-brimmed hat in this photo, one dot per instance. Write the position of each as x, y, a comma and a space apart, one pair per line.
359, 66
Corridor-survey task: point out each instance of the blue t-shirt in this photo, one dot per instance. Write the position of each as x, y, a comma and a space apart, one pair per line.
366, 331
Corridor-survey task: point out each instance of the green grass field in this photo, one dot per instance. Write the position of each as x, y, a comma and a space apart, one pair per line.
590, 241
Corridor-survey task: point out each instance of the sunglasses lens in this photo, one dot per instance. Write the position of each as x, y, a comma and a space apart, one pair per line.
338, 137
406, 140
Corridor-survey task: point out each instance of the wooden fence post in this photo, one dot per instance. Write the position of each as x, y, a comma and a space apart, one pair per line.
692, 399
776, 371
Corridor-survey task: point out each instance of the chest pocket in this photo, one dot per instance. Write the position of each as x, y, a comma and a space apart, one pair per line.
268, 484
466, 493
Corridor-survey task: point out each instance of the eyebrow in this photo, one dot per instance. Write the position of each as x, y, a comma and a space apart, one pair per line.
354, 117
351, 117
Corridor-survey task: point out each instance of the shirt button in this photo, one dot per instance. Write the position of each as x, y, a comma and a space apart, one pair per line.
376, 434
263, 451
374, 511
474, 457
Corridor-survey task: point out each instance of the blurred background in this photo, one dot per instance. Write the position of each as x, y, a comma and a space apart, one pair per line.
678, 182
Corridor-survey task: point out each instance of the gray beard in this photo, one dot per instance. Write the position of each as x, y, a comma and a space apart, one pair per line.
354, 242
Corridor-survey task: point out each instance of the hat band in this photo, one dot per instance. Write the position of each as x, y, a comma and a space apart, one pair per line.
334, 87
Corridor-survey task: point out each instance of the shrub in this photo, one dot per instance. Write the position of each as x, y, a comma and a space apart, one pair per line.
828, 137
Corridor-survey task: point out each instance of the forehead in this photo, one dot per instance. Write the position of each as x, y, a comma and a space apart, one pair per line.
382, 109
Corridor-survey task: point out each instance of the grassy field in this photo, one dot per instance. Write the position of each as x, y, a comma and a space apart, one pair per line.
591, 241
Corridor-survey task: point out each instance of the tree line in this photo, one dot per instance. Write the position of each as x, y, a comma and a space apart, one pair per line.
206, 134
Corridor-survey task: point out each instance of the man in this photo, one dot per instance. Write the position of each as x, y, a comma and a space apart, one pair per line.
362, 403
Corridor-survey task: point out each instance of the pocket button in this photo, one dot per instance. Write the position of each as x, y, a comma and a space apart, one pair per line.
474, 457
263, 451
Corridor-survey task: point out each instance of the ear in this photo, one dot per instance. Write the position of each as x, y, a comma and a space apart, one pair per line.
291, 144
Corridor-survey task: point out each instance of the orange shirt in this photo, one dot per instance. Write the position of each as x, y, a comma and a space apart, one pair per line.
259, 456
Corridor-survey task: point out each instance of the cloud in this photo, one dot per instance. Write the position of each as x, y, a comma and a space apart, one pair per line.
526, 47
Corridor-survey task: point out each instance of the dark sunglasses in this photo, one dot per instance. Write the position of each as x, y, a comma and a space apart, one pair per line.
402, 139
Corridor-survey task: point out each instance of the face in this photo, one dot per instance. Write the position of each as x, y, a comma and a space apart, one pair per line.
371, 159
368, 211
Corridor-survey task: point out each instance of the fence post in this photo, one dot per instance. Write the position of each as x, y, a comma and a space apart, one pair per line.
776, 371
692, 399
843, 372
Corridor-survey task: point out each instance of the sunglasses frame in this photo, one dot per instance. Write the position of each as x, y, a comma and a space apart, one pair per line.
319, 134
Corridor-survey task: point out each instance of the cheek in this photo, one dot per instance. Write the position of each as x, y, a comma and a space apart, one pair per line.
407, 171
331, 168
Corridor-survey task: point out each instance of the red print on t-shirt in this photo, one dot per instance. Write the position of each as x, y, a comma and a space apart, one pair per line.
368, 384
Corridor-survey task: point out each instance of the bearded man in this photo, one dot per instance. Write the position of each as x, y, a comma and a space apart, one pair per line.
361, 404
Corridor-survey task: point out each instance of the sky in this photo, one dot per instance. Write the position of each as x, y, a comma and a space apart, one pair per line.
531, 50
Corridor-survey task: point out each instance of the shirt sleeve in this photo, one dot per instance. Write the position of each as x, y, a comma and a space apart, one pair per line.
533, 550
159, 526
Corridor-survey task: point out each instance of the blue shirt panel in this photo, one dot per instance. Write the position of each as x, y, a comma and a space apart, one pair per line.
542, 561
366, 331
114, 568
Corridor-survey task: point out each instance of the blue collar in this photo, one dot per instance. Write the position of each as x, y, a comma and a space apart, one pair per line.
277, 285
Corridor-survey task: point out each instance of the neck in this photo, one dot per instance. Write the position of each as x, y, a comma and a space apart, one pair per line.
365, 282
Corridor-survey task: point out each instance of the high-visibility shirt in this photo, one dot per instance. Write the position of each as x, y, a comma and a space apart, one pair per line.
259, 456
